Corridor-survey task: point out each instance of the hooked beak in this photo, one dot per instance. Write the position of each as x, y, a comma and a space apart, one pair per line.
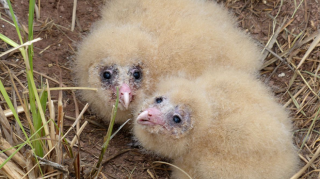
151, 116
143, 116
125, 95
125, 99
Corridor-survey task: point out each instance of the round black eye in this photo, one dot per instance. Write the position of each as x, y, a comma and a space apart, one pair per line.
136, 75
107, 75
159, 100
176, 119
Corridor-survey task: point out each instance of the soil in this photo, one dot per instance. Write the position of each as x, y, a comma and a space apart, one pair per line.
54, 55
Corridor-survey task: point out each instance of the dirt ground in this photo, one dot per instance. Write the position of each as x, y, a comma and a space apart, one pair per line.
56, 52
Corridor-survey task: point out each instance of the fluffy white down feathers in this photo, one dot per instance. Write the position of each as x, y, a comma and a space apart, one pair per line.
111, 57
224, 124
216, 118
158, 38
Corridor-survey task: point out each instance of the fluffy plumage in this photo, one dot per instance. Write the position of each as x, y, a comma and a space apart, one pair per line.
190, 32
161, 37
110, 57
224, 124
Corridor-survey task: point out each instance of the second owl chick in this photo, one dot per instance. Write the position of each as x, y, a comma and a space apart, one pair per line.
225, 124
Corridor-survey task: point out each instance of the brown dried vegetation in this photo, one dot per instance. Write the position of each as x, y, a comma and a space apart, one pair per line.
288, 29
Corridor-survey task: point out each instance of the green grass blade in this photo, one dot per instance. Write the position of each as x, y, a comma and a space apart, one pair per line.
30, 32
33, 91
37, 123
44, 99
9, 158
12, 43
310, 129
7, 99
15, 21
95, 172
8, 41
20, 146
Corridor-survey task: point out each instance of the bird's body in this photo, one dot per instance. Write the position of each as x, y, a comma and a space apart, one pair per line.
224, 124
161, 37
189, 32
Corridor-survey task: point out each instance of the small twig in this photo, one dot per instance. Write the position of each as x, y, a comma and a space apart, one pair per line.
272, 40
17, 157
57, 42
115, 155
43, 161
151, 175
78, 133
273, 72
11, 169
312, 46
58, 27
5, 126
308, 85
119, 128
39, 2
29, 164
23, 45
64, 88
37, 11
103, 176
74, 14
314, 157
79, 25
277, 56
7, 10
90, 121
296, 9
296, 95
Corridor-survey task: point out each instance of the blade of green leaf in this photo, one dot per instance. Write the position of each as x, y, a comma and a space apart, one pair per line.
30, 32
12, 43
15, 21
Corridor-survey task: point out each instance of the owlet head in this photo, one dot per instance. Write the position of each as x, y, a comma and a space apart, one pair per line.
162, 117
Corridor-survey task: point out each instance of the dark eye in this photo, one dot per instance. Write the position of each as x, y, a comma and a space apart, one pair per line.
107, 75
176, 119
159, 100
136, 75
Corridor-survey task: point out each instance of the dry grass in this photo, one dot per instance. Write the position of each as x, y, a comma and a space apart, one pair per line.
295, 52
52, 160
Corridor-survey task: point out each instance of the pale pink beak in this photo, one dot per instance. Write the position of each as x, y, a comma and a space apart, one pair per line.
151, 116
125, 95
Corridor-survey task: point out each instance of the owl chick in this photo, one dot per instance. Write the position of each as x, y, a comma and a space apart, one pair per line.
224, 124
159, 37
189, 31
110, 57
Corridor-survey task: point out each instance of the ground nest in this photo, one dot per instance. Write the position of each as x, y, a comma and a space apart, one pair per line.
287, 31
